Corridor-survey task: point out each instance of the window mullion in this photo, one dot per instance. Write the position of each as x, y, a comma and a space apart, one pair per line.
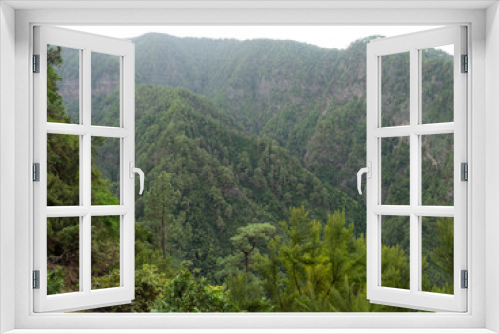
414, 173
421, 130
392, 210
86, 170
435, 128
81, 232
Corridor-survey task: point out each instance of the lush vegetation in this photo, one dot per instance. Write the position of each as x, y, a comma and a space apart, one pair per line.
250, 151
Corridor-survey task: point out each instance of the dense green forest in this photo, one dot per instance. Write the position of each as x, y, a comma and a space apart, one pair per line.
250, 150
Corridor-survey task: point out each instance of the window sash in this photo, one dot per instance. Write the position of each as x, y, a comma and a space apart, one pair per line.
86, 297
414, 298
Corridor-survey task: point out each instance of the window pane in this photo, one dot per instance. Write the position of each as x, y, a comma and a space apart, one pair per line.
395, 89
437, 254
63, 254
396, 252
105, 252
437, 169
63, 86
396, 171
105, 74
437, 84
63, 170
106, 171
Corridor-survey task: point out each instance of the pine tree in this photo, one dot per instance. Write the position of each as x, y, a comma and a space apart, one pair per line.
249, 237
160, 203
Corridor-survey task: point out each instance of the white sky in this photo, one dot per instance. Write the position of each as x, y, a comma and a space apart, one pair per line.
323, 36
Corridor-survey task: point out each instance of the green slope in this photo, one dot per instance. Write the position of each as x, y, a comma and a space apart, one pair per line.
226, 178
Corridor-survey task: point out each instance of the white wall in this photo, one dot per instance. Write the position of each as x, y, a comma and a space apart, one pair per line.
7, 163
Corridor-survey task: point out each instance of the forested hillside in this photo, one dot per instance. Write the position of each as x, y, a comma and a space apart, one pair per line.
251, 151
304, 97
225, 179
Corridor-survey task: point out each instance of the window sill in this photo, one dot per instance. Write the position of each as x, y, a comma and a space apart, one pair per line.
251, 331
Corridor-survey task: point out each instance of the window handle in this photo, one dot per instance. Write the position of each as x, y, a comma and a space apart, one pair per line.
368, 171
135, 170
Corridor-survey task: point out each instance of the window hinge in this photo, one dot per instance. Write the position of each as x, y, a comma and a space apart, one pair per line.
36, 63
465, 279
464, 171
36, 172
465, 63
36, 279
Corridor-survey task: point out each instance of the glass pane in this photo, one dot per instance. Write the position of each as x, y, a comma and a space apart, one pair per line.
396, 171
106, 171
105, 252
437, 254
105, 75
437, 84
437, 169
395, 89
63, 84
63, 170
396, 252
63, 254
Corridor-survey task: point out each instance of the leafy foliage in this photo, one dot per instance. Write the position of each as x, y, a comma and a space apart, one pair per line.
188, 294
55, 280
150, 285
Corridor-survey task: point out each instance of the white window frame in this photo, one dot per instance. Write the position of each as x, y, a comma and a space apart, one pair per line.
86, 44
412, 44
484, 102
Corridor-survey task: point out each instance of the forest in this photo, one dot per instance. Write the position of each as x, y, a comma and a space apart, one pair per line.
250, 150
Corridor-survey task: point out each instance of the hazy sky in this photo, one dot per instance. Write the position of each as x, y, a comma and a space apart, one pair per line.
322, 36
